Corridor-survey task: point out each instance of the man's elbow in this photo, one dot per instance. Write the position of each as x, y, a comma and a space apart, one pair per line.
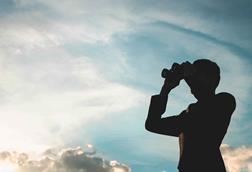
149, 126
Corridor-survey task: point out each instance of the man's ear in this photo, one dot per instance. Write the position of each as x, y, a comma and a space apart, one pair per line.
208, 81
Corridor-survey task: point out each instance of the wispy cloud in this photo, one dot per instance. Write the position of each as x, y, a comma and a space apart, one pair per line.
49, 95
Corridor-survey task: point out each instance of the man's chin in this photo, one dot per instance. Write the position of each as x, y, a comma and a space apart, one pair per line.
195, 94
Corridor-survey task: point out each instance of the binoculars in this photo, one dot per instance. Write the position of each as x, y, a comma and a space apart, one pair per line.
180, 71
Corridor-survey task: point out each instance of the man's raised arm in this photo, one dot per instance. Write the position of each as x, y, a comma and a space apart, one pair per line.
171, 125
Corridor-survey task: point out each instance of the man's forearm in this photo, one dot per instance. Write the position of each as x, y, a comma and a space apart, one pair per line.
158, 104
165, 91
156, 108
155, 123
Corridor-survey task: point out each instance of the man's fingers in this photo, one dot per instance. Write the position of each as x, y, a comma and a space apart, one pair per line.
188, 68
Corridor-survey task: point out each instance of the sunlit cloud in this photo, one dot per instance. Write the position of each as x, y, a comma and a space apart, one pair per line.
59, 159
46, 96
237, 158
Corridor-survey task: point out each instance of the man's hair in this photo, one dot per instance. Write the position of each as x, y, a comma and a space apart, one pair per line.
210, 70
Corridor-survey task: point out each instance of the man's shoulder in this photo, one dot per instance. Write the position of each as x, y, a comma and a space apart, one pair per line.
225, 99
225, 96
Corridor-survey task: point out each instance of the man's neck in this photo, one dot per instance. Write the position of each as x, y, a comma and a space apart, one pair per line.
206, 97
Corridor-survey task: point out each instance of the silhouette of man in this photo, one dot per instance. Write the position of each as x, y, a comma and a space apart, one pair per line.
203, 125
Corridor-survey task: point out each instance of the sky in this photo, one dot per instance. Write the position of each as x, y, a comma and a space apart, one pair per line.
76, 79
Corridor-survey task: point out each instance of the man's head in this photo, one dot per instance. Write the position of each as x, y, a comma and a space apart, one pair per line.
206, 78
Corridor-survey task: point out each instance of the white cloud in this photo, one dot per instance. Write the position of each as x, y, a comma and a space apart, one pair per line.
237, 159
59, 160
91, 21
47, 92
78, 21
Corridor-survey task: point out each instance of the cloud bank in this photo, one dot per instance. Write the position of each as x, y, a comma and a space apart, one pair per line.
88, 160
237, 159
60, 160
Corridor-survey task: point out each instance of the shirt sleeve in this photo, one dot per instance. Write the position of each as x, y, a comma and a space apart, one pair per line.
172, 125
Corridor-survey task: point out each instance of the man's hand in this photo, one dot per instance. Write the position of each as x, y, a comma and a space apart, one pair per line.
170, 82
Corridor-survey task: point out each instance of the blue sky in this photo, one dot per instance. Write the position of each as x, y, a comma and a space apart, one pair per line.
78, 73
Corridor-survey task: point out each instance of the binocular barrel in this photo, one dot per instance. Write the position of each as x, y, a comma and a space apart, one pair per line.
166, 71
